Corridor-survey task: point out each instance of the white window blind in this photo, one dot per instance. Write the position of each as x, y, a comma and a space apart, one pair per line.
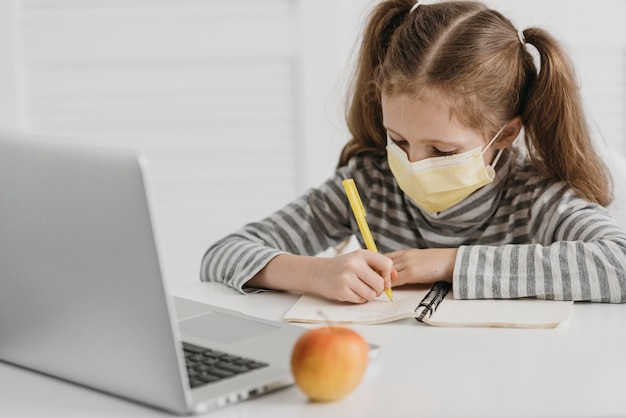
205, 89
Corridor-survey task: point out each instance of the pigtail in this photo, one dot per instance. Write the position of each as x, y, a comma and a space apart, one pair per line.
557, 135
364, 112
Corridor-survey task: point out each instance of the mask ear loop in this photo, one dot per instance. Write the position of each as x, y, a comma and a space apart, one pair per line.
499, 154
495, 160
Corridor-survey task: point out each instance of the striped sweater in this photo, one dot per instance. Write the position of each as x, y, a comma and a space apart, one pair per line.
520, 236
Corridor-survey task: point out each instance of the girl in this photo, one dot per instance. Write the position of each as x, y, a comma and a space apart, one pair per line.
440, 94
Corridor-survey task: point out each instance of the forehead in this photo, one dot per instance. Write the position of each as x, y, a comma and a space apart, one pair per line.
408, 115
405, 107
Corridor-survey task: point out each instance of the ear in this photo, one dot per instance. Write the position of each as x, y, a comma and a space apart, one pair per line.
509, 133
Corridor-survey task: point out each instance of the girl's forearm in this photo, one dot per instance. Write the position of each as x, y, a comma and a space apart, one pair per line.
287, 272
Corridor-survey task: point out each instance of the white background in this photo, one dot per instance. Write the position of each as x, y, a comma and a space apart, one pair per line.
238, 104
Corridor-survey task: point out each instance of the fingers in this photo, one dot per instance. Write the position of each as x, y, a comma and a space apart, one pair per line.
361, 293
376, 267
427, 265
363, 276
382, 264
353, 290
402, 266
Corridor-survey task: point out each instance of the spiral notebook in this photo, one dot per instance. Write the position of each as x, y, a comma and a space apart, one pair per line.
433, 305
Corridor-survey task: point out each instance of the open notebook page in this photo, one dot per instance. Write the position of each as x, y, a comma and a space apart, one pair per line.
308, 307
520, 313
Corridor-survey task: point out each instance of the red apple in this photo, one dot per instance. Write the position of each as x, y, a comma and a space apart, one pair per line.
328, 363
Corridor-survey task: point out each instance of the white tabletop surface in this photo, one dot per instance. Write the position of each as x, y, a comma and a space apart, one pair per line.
575, 370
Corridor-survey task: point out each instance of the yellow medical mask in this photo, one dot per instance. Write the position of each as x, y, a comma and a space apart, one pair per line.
439, 183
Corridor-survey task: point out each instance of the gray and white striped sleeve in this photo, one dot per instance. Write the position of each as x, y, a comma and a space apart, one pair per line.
579, 254
316, 221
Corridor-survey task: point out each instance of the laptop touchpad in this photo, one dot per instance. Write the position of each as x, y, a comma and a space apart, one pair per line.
223, 328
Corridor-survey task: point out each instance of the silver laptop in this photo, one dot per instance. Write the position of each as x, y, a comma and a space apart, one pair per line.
82, 296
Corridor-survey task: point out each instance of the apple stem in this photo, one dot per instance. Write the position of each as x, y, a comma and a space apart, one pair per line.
329, 323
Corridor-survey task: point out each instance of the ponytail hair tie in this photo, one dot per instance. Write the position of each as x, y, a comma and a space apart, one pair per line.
415, 6
522, 38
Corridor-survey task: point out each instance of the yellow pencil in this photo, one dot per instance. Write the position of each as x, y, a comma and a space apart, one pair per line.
359, 215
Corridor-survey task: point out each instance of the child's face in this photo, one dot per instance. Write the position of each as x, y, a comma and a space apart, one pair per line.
424, 129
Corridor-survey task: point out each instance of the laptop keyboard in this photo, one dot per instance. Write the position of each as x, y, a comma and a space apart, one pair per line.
206, 366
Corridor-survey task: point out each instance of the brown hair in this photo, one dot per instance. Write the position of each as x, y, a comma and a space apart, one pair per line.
472, 58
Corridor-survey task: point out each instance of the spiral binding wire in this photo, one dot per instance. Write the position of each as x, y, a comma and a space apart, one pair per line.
433, 299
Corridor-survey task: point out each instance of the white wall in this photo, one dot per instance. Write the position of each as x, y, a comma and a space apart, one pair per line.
238, 104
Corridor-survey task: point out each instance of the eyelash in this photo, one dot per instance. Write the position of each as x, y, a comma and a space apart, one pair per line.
436, 152
442, 153
400, 143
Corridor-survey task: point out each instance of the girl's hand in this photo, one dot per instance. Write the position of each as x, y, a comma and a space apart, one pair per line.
423, 266
356, 277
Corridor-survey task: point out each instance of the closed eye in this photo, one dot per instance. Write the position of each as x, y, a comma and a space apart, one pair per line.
401, 143
439, 153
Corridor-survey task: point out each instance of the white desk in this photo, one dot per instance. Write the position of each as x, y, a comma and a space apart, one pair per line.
575, 370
